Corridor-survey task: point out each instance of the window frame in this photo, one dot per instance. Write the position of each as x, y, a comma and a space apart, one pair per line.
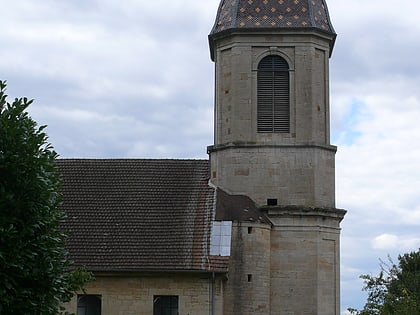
82, 296
273, 95
172, 306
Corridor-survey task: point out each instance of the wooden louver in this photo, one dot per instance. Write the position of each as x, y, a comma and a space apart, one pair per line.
273, 113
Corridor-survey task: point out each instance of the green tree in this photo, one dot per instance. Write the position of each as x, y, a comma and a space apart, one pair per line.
396, 290
36, 276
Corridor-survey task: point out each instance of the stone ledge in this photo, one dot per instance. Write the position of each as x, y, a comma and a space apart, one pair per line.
254, 145
303, 211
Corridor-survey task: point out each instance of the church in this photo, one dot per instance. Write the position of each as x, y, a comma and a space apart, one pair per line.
254, 229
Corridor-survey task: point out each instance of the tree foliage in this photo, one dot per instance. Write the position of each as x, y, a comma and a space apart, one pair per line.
35, 276
396, 290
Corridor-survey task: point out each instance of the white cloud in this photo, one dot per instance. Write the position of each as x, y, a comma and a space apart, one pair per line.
134, 79
385, 241
375, 107
393, 242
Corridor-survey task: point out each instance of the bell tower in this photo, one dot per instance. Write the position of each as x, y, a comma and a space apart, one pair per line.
272, 143
272, 139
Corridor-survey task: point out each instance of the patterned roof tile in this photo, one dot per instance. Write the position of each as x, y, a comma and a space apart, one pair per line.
255, 14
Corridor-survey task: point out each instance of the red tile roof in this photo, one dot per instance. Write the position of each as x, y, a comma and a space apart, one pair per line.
138, 214
219, 263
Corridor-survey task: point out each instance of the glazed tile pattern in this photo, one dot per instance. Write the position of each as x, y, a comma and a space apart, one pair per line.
251, 14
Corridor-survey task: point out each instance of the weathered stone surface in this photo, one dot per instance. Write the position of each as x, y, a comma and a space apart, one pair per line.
296, 168
247, 290
133, 294
296, 256
285, 253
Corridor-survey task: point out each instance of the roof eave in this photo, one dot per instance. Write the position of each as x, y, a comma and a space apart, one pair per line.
213, 37
129, 272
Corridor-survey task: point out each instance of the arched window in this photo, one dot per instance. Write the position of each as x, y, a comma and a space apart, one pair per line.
273, 100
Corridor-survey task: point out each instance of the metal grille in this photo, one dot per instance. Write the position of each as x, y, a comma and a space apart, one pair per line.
273, 113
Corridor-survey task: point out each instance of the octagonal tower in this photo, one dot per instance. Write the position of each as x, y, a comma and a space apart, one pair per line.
272, 143
272, 101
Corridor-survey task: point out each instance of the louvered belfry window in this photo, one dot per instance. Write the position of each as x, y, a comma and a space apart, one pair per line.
273, 113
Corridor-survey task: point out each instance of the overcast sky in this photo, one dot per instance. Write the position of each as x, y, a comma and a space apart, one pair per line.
133, 78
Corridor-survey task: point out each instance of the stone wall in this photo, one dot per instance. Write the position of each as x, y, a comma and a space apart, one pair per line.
247, 291
237, 59
305, 262
296, 168
133, 295
293, 175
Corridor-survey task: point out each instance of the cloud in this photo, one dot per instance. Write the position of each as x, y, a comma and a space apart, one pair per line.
134, 79
375, 103
139, 64
383, 158
393, 242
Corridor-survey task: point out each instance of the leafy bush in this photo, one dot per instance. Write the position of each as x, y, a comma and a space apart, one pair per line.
35, 273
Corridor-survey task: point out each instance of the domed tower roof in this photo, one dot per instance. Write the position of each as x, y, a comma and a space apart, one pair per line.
271, 15
253, 14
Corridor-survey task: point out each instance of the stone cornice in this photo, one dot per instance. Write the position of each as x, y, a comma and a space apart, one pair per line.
251, 145
303, 211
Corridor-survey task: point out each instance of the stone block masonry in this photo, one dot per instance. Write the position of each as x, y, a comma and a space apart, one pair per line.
134, 294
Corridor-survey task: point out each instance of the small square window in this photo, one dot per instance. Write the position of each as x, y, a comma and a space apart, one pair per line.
89, 304
249, 278
272, 202
165, 305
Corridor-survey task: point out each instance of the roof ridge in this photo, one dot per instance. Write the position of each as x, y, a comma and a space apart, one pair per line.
131, 159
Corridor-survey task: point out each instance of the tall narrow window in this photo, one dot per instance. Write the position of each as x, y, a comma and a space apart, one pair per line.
89, 305
165, 305
273, 89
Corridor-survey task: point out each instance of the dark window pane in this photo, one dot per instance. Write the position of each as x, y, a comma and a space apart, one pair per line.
165, 305
89, 305
273, 113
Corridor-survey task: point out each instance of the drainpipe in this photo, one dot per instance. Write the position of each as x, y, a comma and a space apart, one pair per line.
213, 293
